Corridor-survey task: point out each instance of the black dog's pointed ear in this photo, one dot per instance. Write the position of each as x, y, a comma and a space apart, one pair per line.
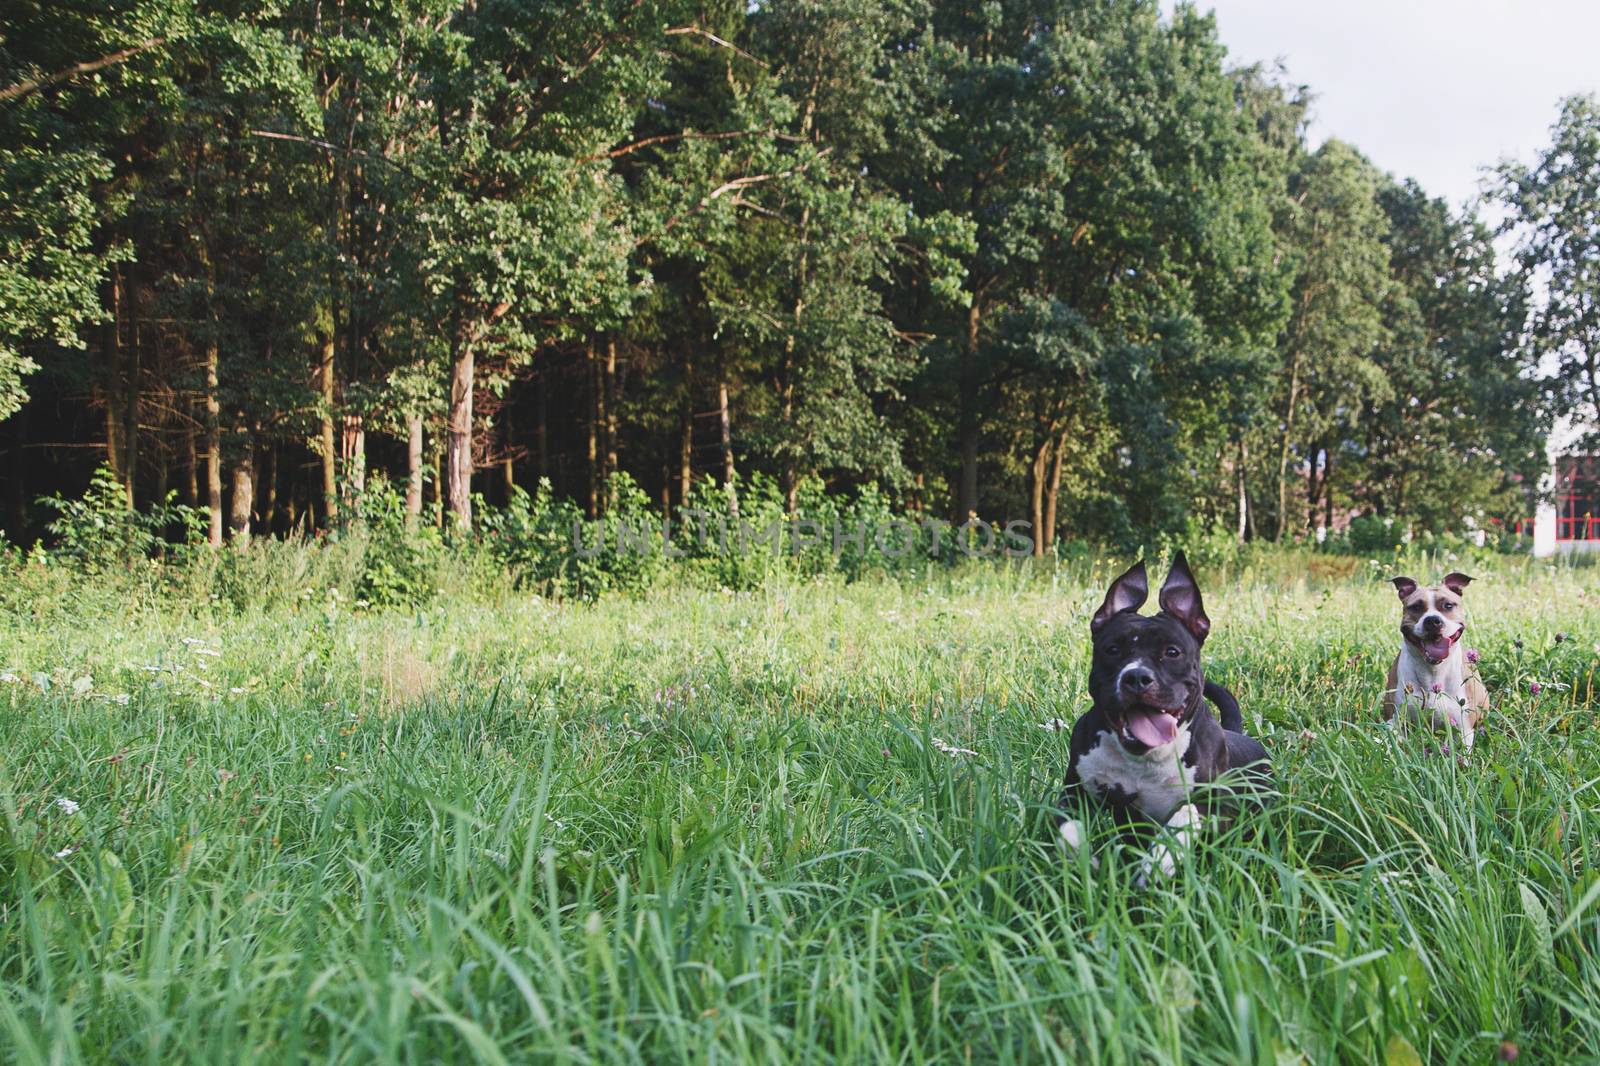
1404, 585
1180, 597
1456, 582
1127, 593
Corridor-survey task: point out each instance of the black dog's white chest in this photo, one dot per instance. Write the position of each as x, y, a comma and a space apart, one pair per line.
1155, 783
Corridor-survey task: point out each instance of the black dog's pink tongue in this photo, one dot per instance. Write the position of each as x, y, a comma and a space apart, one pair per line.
1152, 728
1437, 650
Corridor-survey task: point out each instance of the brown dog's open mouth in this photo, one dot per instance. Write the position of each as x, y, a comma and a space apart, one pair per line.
1437, 649
1151, 726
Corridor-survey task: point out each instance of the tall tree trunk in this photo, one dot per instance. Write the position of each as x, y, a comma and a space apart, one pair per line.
111, 354
19, 436
213, 422
438, 485
725, 425
1052, 492
591, 453
353, 453
508, 470
130, 431
330, 476
413, 468
967, 500
1037, 471
786, 384
541, 429
725, 429
113, 438
1244, 496
791, 486
458, 461
1313, 487
162, 416
1327, 494
686, 435
163, 473
269, 487
191, 467
243, 494
612, 421
1283, 453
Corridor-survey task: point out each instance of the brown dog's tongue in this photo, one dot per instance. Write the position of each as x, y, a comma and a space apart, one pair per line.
1152, 728
1437, 651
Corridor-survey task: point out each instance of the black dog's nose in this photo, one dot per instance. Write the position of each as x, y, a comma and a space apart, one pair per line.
1137, 679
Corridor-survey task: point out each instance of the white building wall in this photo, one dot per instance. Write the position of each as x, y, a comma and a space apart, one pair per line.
1562, 437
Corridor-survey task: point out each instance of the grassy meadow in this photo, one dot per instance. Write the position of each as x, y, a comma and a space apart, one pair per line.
805, 823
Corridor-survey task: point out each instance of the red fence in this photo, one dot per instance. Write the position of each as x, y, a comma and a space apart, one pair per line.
1568, 527
1577, 527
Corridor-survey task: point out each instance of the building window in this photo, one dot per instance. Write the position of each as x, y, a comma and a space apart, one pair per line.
1578, 497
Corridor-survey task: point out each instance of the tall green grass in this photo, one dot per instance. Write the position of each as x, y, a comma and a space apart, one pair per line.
716, 826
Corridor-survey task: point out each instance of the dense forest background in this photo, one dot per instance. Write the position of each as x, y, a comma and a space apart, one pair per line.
1053, 260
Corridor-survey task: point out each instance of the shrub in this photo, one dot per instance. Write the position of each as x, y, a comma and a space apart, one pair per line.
725, 541
1211, 546
400, 561
546, 543
99, 530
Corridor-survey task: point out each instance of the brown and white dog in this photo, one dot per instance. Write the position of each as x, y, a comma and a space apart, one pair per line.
1431, 680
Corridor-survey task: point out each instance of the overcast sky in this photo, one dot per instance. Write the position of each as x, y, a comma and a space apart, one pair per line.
1429, 89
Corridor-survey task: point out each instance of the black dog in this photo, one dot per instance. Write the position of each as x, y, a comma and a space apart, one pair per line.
1149, 739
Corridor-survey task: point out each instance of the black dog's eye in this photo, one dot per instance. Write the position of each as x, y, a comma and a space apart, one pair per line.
1114, 650
1172, 651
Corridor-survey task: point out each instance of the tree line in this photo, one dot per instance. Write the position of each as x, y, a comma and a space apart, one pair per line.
1044, 259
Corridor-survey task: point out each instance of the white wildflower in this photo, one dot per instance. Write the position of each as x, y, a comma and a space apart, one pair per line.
121, 699
66, 851
950, 749
8, 678
1054, 725
67, 805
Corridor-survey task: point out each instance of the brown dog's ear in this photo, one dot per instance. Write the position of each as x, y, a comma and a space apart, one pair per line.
1405, 586
1180, 597
1456, 582
1127, 593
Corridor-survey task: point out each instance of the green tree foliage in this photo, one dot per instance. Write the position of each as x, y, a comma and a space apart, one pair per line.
65, 76
1437, 443
1334, 234
50, 272
1556, 210
1049, 259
